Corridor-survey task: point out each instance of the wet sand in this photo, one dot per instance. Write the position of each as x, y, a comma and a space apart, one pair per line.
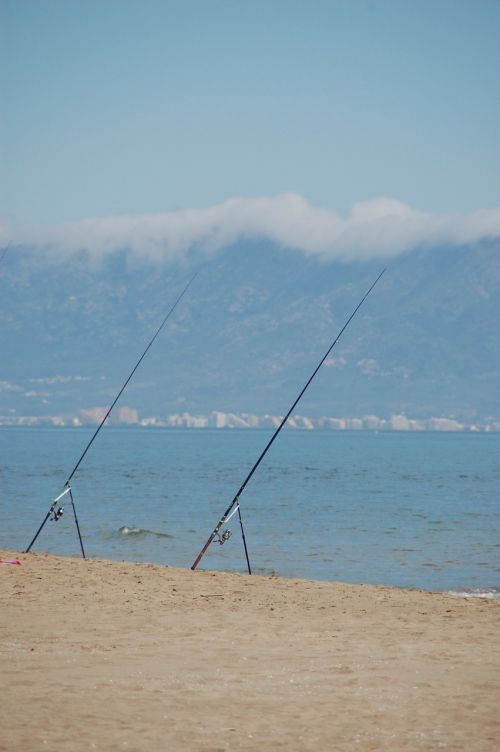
99, 655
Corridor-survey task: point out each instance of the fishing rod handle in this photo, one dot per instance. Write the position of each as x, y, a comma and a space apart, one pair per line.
207, 544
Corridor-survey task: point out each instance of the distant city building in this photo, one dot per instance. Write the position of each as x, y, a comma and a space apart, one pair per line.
334, 424
371, 422
95, 415
444, 424
417, 425
251, 420
186, 420
92, 415
399, 423
126, 415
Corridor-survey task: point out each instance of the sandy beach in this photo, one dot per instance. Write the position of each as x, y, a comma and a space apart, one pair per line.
120, 656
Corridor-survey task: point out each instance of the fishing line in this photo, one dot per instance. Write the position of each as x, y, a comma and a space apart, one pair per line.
235, 501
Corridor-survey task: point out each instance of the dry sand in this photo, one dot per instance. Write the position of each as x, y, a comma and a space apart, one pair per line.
99, 655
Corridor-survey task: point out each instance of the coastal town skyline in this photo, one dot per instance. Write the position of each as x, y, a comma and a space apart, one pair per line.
129, 417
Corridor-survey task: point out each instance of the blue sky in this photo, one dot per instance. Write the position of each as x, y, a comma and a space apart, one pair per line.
131, 108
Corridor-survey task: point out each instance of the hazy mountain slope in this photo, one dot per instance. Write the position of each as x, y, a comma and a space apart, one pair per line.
249, 332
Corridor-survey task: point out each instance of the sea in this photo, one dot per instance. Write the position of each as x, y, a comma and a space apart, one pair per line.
411, 510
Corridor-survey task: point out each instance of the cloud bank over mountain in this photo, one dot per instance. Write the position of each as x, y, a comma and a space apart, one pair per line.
377, 228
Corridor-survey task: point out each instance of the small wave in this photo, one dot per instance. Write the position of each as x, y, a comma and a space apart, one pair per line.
488, 593
139, 532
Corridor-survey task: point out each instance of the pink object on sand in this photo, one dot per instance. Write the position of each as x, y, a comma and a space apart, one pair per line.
10, 561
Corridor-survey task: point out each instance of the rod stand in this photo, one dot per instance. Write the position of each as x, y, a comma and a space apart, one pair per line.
55, 513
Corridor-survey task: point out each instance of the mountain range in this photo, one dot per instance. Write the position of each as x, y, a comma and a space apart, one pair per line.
250, 331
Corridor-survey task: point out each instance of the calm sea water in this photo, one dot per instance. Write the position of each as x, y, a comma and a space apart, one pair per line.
411, 510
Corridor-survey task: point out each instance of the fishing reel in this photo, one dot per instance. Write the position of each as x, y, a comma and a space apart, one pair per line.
221, 539
57, 514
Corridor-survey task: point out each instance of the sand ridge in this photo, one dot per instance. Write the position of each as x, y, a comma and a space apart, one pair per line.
121, 656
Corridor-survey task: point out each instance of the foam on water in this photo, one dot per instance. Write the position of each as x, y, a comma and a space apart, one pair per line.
139, 532
488, 593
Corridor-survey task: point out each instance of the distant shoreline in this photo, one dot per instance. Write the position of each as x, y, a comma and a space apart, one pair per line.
430, 425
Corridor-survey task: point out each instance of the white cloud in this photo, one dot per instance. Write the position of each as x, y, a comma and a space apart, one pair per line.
377, 228
49, 380
335, 362
368, 366
7, 386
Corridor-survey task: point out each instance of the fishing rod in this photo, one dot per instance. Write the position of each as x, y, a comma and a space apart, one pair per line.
55, 511
234, 506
